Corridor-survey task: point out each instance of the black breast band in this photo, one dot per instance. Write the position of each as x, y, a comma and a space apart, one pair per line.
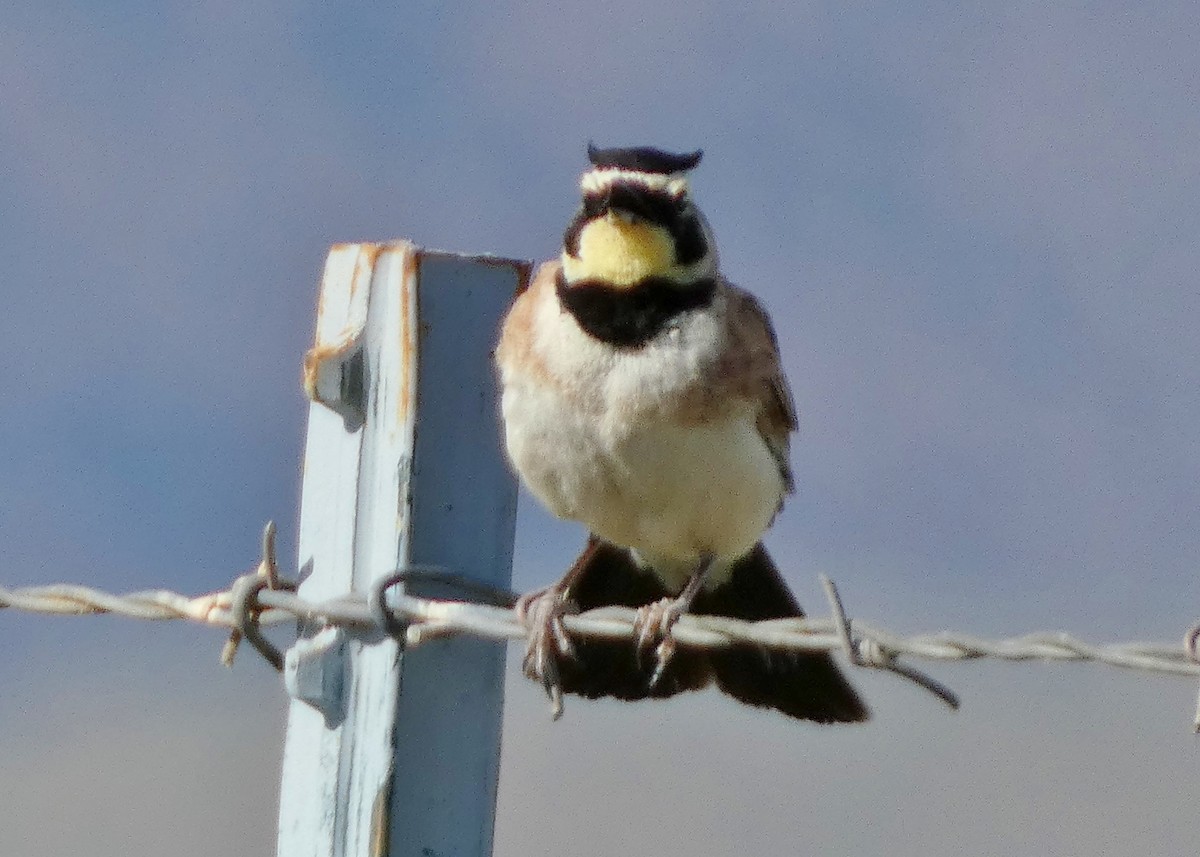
631, 317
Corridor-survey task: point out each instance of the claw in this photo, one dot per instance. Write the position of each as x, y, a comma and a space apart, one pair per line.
653, 624
664, 653
542, 613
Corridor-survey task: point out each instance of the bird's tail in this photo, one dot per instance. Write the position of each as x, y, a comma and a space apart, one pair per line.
807, 685
804, 685
608, 576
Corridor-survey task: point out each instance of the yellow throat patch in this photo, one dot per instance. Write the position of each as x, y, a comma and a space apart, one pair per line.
621, 253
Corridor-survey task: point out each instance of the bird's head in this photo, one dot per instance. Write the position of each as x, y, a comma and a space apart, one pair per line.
637, 222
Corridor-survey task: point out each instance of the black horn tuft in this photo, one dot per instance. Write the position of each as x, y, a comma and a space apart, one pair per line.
643, 159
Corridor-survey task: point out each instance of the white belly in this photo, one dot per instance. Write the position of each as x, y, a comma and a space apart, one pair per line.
671, 492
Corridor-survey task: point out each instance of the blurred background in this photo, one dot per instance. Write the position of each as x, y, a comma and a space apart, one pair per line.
978, 232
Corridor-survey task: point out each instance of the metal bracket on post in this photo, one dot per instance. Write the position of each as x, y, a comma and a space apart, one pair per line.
314, 673
404, 340
333, 367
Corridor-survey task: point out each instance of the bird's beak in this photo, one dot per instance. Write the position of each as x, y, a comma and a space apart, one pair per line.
619, 204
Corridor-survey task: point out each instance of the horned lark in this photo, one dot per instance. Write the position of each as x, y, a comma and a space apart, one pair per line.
643, 396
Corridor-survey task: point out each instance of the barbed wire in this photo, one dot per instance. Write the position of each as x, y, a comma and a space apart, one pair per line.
261, 597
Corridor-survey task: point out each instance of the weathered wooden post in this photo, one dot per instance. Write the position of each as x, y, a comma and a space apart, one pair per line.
391, 752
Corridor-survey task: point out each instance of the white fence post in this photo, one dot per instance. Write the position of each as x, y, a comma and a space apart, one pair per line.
390, 752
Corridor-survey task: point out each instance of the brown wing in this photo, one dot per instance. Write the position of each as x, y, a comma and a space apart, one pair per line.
758, 374
514, 352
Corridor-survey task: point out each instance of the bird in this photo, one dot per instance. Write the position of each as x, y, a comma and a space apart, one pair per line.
642, 395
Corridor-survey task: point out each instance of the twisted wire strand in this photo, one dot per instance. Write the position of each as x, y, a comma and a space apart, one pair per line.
262, 597
428, 618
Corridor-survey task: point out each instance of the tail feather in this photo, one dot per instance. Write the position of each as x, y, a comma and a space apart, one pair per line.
609, 577
801, 684
808, 686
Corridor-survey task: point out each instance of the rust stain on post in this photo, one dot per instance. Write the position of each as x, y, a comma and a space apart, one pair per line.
368, 255
313, 358
410, 274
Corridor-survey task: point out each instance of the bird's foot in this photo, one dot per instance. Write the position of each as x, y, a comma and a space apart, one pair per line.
653, 624
542, 613
652, 630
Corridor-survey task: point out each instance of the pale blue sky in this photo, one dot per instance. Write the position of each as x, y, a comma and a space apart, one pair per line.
978, 230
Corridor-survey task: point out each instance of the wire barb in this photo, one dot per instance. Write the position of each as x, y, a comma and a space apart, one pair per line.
244, 608
871, 653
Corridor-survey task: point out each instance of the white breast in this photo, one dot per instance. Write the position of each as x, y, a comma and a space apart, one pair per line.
605, 451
